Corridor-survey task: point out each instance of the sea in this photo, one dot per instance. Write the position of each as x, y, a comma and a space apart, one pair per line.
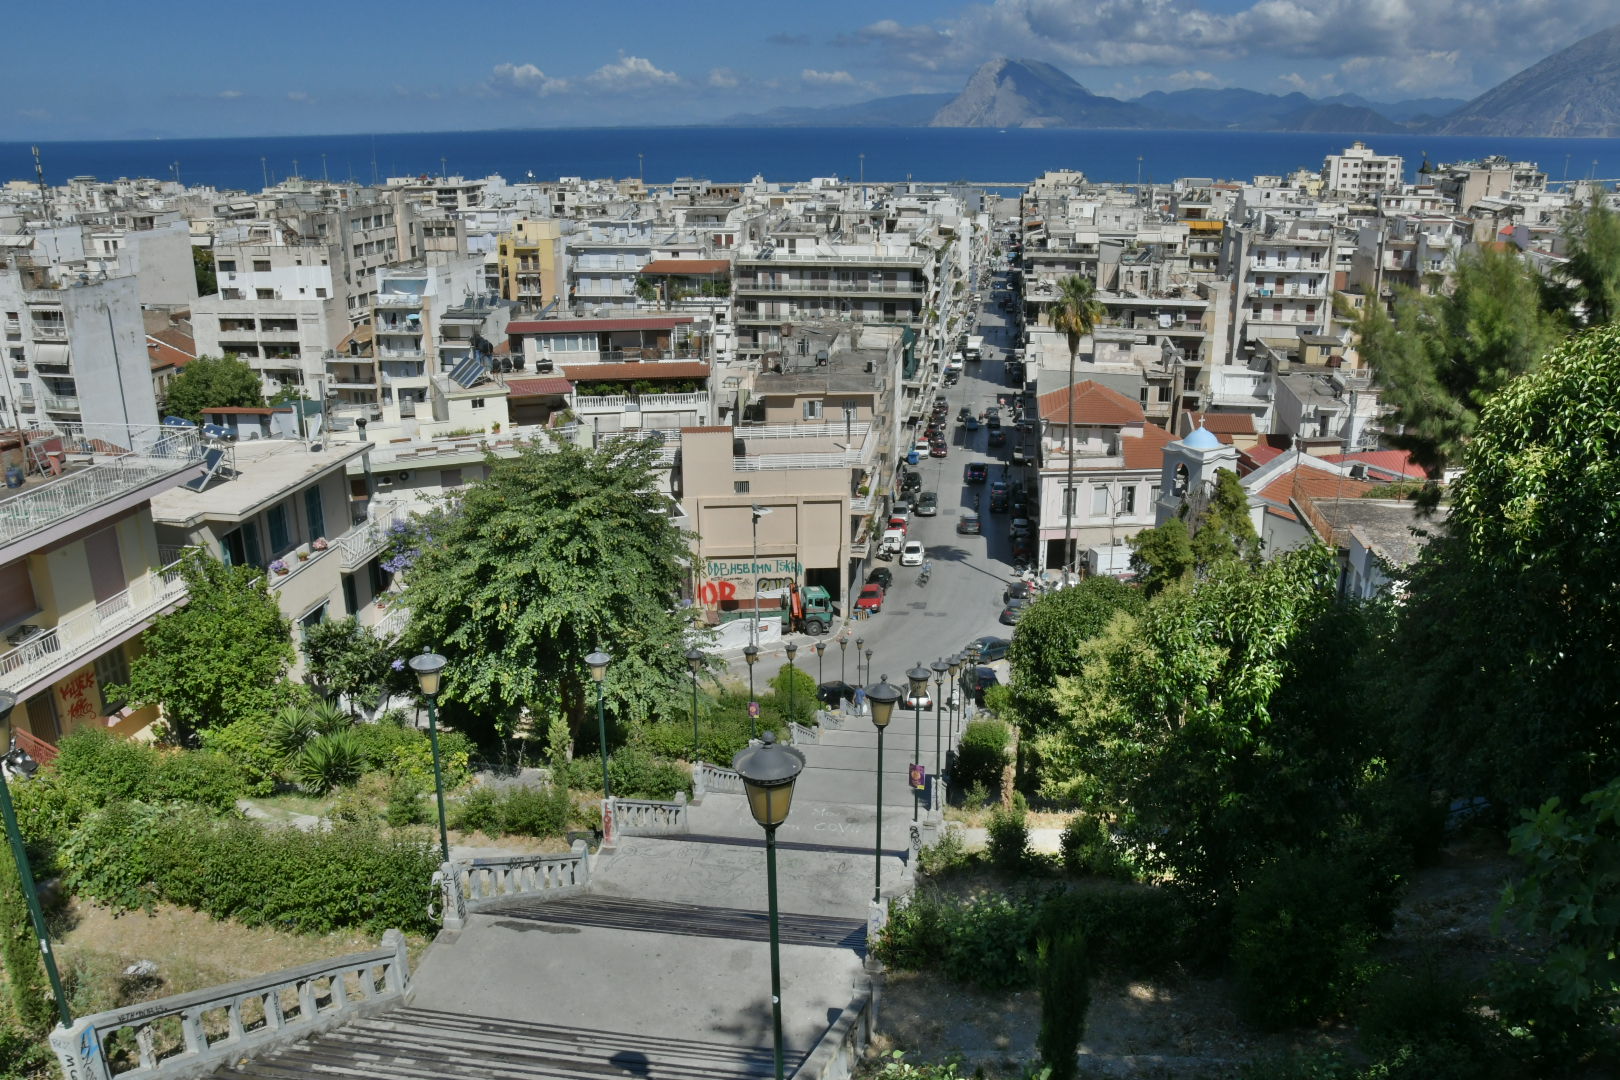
989, 156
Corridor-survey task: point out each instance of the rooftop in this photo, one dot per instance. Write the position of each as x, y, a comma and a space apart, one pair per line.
265, 470
844, 371
1094, 404
587, 326
1383, 526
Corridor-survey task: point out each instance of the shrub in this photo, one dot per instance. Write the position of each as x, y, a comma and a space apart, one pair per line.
377, 743
1087, 849
199, 777
19, 953
246, 743
128, 855
977, 798
405, 803
106, 767
328, 717
331, 761
986, 940
1135, 930
1008, 843
982, 754
529, 811
1063, 978
634, 773
478, 811
1421, 1023
948, 854
291, 729
414, 758
1300, 938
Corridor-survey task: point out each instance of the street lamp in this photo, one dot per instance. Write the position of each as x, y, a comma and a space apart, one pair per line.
792, 651
883, 697
768, 772
759, 512
956, 695
751, 654
18, 760
868, 663
843, 653
860, 643
970, 679
429, 667
941, 669
694, 659
598, 662
919, 686
821, 662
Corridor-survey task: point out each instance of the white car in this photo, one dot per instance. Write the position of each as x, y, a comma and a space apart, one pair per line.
912, 553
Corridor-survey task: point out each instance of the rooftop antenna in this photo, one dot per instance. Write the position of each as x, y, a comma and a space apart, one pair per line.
863, 169
374, 180
264, 164
442, 172
44, 192
176, 168
641, 164
295, 172
324, 179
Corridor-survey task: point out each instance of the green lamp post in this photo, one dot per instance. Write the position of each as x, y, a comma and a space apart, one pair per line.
694, 660
429, 668
18, 761
941, 669
598, 662
918, 677
883, 698
751, 654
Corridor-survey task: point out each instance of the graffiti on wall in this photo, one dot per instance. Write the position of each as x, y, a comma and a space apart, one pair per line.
78, 698
767, 576
750, 569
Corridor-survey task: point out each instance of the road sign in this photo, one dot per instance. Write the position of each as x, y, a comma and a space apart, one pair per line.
753, 709
919, 776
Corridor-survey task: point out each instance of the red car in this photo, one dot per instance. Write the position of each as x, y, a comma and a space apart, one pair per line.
937, 449
975, 472
871, 599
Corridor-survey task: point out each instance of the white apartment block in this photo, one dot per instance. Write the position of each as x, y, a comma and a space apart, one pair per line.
1359, 172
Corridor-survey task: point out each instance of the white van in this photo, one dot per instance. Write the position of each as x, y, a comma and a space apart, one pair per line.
974, 350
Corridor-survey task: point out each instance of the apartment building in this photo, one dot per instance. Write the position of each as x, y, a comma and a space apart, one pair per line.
1282, 274
413, 338
531, 264
82, 572
1359, 173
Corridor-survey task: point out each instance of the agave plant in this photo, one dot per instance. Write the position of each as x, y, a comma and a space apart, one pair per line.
290, 731
331, 761
328, 717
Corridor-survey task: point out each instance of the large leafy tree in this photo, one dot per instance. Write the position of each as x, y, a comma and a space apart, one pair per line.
1512, 621
222, 657
213, 382
1222, 528
345, 659
1075, 313
558, 552
1587, 286
1440, 358
1217, 725
1046, 644
1162, 555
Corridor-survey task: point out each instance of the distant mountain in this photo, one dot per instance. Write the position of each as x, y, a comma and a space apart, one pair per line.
904, 110
1411, 111
1231, 107
1574, 93
1329, 118
1028, 93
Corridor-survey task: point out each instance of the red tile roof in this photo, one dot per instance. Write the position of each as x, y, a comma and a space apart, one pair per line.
647, 369
1225, 423
584, 326
687, 266
544, 387
1147, 450
1309, 483
1094, 404
1396, 462
1257, 455
168, 348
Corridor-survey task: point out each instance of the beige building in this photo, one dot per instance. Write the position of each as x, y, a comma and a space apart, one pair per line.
530, 266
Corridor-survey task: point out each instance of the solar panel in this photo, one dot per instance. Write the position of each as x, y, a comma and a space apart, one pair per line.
469, 372
214, 431
177, 421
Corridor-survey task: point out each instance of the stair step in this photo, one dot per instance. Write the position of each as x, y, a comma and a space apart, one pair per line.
426, 1044
783, 845
689, 920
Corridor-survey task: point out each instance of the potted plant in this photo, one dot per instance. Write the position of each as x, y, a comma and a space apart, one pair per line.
303, 556
279, 567
319, 543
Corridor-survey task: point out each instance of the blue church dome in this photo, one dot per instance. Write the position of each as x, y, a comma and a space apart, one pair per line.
1201, 439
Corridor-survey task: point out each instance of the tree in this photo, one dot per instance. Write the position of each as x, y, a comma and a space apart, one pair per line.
202, 266
222, 657
345, 659
212, 382
1162, 555
1075, 314
1222, 529
558, 552
1511, 624
1216, 726
1590, 279
1442, 357
1046, 643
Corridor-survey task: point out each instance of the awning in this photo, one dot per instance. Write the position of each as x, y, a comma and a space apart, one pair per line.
52, 354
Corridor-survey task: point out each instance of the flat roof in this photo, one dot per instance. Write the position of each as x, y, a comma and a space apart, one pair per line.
267, 470
597, 326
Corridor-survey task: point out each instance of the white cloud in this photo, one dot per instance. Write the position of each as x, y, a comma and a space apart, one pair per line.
631, 73
301, 96
523, 79
812, 77
1184, 79
228, 95
722, 78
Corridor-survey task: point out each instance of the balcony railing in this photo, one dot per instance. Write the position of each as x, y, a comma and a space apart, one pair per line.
61, 646
117, 460
812, 285
645, 402
51, 331
399, 300
367, 538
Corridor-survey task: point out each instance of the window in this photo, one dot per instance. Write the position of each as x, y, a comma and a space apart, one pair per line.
812, 410
240, 547
1154, 492
1099, 502
280, 528
351, 595
112, 669
227, 266
261, 266
478, 403
320, 293
313, 511
1164, 393
315, 617
264, 294
450, 478
1127, 499
739, 487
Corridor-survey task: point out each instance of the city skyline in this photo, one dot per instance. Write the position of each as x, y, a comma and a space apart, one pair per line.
331, 70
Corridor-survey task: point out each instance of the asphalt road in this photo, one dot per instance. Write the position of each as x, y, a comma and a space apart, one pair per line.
963, 599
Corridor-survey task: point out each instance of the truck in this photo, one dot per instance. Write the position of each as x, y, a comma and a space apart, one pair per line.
810, 609
1112, 562
974, 349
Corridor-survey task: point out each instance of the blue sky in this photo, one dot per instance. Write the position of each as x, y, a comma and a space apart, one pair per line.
186, 68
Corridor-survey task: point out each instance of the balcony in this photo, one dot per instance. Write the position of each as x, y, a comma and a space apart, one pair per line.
399, 300
63, 646
68, 403
102, 463
50, 331
363, 541
812, 285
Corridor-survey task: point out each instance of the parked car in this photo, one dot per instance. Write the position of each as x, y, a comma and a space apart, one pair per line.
912, 553
964, 414
991, 648
1013, 612
923, 701
1019, 590
871, 599
998, 437
928, 504
910, 481
976, 472
972, 423
938, 449
983, 679
881, 576
968, 523
834, 694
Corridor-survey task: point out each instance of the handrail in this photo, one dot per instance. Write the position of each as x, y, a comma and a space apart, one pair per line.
707, 778
291, 1005
842, 1047
649, 817
465, 885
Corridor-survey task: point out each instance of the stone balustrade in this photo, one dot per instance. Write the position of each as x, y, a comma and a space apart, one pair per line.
842, 1049
221, 1024
464, 885
799, 734
644, 817
708, 778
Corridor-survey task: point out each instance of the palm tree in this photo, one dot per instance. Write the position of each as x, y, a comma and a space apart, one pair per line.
1075, 314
